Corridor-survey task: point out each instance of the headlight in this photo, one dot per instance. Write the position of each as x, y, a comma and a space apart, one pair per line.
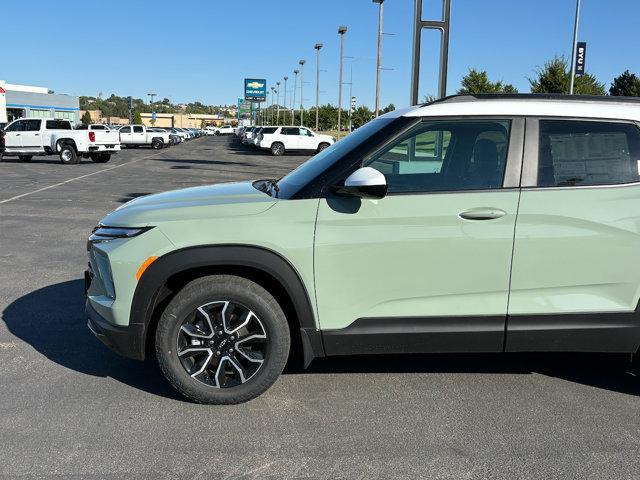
103, 233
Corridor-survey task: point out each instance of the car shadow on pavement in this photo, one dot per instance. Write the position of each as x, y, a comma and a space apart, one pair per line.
606, 371
53, 322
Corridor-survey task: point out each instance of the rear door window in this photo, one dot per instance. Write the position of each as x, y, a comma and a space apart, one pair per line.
137, 129
576, 153
32, 125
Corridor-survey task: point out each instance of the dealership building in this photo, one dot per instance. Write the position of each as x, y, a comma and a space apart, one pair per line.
18, 101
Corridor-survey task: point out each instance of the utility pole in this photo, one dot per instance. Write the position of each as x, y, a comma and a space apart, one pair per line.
302, 62
381, 2
573, 48
341, 31
317, 46
278, 103
285, 99
293, 103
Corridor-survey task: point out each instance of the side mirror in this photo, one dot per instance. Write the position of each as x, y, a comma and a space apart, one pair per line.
366, 182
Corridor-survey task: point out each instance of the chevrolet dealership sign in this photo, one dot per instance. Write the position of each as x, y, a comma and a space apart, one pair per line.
255, 89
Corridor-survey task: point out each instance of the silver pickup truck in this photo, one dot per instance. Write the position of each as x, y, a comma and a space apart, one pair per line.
29, 137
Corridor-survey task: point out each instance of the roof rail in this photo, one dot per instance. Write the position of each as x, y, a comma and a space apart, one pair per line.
466, 97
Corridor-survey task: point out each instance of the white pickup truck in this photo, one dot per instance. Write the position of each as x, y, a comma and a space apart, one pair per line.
29, 137
139, 136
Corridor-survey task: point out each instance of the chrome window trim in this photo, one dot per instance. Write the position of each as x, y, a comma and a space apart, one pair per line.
531, 152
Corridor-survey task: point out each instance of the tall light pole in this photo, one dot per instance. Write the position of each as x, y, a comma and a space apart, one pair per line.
341, 31
293, 102
285, 99
381, 2
317, 46
272, 104
573, 48
302, 62
278, 103
152, 95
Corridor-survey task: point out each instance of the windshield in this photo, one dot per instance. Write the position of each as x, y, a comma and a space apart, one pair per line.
294, 181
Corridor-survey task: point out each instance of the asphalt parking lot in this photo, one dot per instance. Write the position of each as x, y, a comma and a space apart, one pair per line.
72, 408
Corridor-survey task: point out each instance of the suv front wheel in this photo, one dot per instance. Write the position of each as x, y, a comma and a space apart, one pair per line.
222, 339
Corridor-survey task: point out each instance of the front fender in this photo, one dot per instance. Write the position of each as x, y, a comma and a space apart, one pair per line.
150, 285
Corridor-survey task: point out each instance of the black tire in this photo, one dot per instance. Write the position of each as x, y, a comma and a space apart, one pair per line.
323, 146
277, 149
216, 133
182, 308
68, 155
157, 144
100, 157
25, 158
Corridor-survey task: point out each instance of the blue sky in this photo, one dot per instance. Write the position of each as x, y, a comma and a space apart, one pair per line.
201, 50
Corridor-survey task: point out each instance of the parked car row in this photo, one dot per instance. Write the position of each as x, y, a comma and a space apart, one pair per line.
281, 139
29, 137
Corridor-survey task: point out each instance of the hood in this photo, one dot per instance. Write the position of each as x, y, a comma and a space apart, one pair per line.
227, 199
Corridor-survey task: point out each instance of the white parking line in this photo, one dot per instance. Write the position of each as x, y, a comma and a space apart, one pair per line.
78, 178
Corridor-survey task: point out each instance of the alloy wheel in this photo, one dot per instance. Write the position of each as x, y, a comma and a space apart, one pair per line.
222, 344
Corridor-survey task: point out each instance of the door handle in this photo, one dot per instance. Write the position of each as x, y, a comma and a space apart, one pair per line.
482, 213
17, 134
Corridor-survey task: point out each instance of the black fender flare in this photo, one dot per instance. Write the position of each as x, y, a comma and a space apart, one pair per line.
265, 260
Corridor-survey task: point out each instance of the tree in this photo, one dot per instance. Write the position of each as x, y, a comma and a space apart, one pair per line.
554, 77
478, 82
389, 108
137, 118
360, 116
86, 118
627, 84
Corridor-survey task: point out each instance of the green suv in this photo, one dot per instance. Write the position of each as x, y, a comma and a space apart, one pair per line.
501, 223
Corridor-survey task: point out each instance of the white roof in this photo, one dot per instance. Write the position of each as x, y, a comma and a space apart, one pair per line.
610, 108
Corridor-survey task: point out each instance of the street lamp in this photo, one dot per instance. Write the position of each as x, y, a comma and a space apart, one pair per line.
271, 114
341, 31
285, 98
278, 103
293, 102
317, 46
381, 2
302, 62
